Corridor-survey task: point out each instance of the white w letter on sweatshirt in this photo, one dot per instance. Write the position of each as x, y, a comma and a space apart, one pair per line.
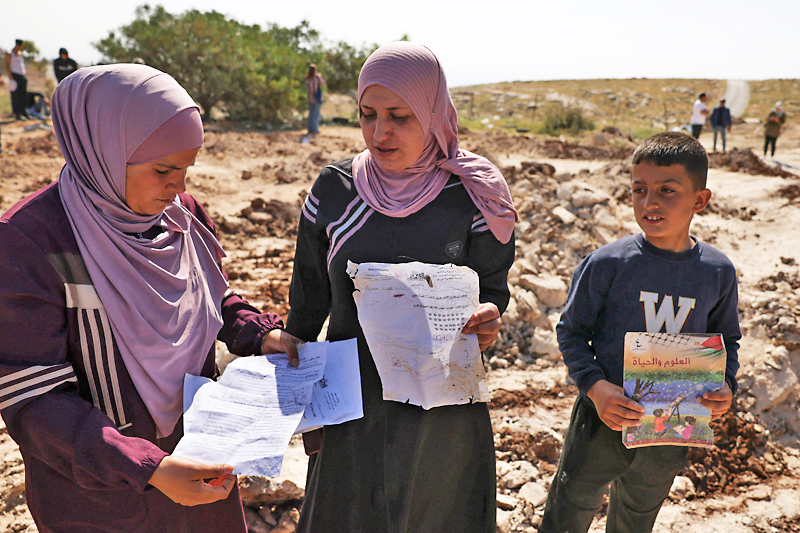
666, 313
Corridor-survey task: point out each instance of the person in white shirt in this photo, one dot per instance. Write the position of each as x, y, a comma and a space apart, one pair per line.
699, 114
15, 67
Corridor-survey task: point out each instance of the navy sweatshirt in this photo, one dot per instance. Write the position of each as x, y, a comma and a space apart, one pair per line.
630, 285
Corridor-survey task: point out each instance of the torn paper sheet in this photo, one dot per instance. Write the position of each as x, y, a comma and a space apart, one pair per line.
412, 315
336, 398
247, 418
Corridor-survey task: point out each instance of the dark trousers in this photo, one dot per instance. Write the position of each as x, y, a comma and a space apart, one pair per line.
19, 98
696, 129
594, 456
769, 141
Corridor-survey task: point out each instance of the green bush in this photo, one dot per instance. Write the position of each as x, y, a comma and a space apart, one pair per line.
248, 72
568, 120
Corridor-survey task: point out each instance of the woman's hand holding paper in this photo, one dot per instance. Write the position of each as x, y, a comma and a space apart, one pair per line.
486, 322
278, 341
181, 480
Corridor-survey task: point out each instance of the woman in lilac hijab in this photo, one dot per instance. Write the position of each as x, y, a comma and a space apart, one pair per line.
412, 195
113, 290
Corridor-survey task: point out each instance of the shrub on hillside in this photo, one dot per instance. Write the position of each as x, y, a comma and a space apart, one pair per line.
568, 120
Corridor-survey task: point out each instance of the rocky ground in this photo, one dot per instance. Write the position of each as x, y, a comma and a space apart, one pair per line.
572, 198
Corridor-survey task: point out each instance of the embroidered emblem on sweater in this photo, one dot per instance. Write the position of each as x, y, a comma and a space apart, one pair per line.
453, 249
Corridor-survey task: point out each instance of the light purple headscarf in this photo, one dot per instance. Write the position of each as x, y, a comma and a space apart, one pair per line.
413, 72
162, 296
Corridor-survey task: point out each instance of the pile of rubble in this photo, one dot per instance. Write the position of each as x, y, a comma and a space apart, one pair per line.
775, 308
744, 160
270, 506
558, 149
262, 217
562, 219
610, 145
41, 145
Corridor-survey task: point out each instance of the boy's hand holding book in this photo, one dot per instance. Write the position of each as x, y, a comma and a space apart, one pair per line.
719, 401
614, 408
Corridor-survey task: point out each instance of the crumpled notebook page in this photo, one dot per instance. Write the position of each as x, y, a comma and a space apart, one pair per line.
412, 315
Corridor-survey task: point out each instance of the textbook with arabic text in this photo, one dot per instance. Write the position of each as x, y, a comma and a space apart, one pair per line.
666, 373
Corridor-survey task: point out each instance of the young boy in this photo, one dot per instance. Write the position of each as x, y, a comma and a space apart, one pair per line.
634, 284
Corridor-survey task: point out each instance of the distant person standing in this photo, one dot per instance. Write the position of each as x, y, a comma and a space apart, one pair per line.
15, 66
772, 127
314, 83
64, 65
721, 121
699, 114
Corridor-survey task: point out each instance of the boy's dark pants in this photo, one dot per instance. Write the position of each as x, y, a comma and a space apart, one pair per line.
592, 457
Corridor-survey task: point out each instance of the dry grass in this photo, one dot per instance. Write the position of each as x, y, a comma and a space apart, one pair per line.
639, 107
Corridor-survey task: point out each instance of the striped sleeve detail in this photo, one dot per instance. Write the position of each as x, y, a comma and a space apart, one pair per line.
33, 381
310, 207
348, 224
479, 224
97, 350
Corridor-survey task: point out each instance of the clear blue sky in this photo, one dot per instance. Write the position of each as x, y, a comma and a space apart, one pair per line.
486, 41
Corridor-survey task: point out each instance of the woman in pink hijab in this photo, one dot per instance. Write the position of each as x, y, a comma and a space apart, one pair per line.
413, 195
112, 290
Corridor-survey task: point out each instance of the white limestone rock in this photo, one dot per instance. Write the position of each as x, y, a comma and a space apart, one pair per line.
520, 472
533, 493
550, 290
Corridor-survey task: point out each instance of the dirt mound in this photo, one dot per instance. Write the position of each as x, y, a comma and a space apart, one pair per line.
744, 160
503, 143
271, 218
42, 145
557, 149
525, 398
791, 192
742, 456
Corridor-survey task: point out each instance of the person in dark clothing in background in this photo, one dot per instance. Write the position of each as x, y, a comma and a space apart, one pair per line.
772, 127
63, 65
15, 67
37, 105
721, 121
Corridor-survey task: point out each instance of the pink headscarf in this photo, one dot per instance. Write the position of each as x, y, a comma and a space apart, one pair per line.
415, 75
162, 296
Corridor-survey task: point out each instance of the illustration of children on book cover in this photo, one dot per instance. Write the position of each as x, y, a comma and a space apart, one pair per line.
666, 372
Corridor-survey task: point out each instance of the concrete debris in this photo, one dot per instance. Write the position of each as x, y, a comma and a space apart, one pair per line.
682, 488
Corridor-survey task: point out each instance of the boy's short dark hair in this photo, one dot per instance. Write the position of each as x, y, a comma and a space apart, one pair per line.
658, 412
676, 148
702, 95
18, 42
